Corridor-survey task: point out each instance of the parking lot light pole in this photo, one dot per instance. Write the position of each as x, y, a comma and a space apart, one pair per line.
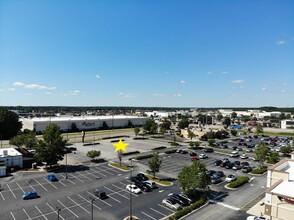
58, 210
92, 204
66, 165
131, 173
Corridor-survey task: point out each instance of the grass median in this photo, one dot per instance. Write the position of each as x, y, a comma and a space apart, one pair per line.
159, 181
122, 167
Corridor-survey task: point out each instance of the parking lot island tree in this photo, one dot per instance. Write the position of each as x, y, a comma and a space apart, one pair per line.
150, 126
136, 131
211, 142
52, 148
261, 153
184, 122
191, 134
120, 155
259, 129
9, 124
165, 125
154, 164
193, 178
26, 139
227, 121
93, 154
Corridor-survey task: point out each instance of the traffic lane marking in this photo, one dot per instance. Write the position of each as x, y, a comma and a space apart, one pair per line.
115, 193
96, 177
99, 173
104, 170
154, 210
26, 213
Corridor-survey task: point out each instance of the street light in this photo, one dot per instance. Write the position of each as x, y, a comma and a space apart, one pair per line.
131, 173
92, 204
58, 210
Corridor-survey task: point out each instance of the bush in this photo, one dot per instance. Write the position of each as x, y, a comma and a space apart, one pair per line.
170, 151
120, 136
144, 157
182, 212
131, 152
140, 138
240, 181
158, 148
259, 170
174, 143
112, 141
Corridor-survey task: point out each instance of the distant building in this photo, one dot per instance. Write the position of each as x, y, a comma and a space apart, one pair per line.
158, 114
285, 124
279, 194
83, 123
11, 157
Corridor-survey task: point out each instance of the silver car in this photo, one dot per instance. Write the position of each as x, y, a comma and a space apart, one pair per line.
172, 204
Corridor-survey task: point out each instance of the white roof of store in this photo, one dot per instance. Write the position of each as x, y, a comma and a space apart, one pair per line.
10, 152
285, 188
81, 118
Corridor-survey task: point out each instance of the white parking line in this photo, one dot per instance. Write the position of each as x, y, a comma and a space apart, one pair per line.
41, 185
12, 215
2, 196
30, 185
68, 209
41, 212
84, 176
95, 171
147, 215
54, 210
92, 174
113, 192
20, 188
125, 190
157, 212
89, 202
49, 182
78, 205
228, 206
99, 199
164, 207
75, 177
11, 190
67, 179
104, 170
26, 213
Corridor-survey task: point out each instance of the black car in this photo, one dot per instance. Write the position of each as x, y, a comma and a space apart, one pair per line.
225, 146
135, 179
193, 154
143, 186
246, 169
142, 177
184, 152
208, 150
217, 162
234, 147
179, 199
100, 194
216, 179
228, 165
219, 173
210, 172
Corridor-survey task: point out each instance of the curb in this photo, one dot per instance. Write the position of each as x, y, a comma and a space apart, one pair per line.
119, 168
227, 187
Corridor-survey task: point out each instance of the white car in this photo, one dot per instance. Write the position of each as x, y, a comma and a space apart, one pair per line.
172, 204
244, 156
234, 154
133, 188
255, 218
230, 178
203, 156
151, 184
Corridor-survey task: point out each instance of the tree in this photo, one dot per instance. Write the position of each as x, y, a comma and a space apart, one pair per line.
104, 126
194, 177
259, 128
219, 117
27, 139
74, 127
93, 153
184, 123
154, 164
211, 142
9, 124
234, 132
234, 115
165, 125
150, 126
227, 121
261, 153
52, 148
191, 134
273, 158
286, 150
120, 155
17, 140
136, 130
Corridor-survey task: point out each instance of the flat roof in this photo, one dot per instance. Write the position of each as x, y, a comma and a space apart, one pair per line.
285, 188
10, 152
81, 118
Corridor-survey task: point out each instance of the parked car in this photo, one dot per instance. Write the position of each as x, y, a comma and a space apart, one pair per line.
234, 154
219, 173
143, 186
256, 218
237, 165
100, 193
244, 156
182, 151
182, 201
184, 196
229, 165
135, 179
133, 188
203, 156
225, 146
244, 163
208, 150
230, 178
171, 203
210, 172
194, 158
193, 154
234, 147
246, 169
151, 184
52, 178
30, 195
142, 177
216, 179
217, 162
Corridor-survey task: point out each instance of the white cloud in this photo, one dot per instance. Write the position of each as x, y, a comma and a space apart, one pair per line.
281, 42
283, 91
36, 86
159, 94
75, 92
182, 81
19, 84
1, 90
209, 73
11, 89
284, 84
224, 72
241, 87
48, 93
178, 95
264, 88
127, 95
238, 81
98, 77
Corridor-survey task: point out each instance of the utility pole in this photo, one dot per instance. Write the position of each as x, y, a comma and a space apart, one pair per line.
58, 210
92, 210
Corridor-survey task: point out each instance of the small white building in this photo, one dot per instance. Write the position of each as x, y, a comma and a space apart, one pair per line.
158, 114
11, 157
287, 124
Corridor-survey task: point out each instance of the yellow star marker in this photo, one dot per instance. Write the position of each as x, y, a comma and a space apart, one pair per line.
120, 146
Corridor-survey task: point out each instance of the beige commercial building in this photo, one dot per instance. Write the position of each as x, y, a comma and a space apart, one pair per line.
279, 194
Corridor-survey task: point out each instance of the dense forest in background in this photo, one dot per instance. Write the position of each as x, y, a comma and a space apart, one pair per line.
123, 109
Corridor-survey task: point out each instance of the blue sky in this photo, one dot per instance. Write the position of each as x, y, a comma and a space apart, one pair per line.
147, 53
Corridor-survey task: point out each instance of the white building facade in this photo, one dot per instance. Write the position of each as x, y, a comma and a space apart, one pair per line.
285, 124
11, 157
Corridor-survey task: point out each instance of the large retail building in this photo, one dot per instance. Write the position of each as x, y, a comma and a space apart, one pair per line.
66, 124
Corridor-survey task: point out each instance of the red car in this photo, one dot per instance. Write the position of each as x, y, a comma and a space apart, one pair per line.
194, 158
